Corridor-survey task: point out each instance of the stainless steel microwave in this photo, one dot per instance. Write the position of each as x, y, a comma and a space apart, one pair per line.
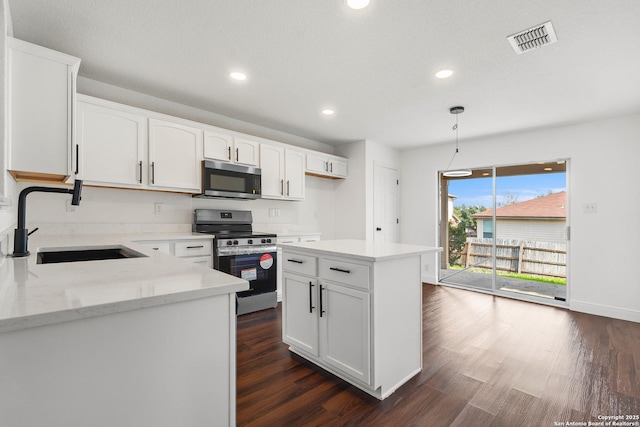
230, 181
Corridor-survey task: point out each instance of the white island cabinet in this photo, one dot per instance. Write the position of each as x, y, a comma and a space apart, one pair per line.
146, 341
354, 308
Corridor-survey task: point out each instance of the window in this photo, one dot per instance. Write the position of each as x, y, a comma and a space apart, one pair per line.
487, 229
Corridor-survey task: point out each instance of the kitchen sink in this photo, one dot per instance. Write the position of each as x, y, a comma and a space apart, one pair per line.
85, 254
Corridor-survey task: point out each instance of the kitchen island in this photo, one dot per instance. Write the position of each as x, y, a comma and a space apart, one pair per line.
354, 308
148, 340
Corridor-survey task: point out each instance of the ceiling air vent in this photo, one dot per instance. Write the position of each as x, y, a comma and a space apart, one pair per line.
533, 38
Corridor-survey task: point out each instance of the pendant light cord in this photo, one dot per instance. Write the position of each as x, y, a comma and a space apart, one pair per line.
455, 127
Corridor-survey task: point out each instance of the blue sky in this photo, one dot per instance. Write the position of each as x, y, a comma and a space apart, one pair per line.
477, 191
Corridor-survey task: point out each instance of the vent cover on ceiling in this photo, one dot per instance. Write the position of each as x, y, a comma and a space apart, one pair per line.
532, 38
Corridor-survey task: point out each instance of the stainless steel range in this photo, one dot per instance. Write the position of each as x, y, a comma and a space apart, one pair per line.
241, 252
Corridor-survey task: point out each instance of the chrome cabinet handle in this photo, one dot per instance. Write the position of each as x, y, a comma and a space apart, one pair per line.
287, 187
140, 170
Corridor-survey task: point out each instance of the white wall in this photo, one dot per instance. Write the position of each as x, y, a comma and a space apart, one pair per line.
355, 196
351, 194
603, 169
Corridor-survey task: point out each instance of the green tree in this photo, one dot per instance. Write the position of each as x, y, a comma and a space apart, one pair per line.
464, 212
457, 238
458, 233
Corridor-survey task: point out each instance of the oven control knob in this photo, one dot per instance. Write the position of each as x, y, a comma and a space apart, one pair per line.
268, 240
264, 240
235, 242
250, 242
229, 242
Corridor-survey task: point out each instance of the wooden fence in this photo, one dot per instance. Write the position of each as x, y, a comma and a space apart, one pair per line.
526, 257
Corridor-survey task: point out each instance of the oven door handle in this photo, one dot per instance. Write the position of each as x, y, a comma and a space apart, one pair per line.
230, 251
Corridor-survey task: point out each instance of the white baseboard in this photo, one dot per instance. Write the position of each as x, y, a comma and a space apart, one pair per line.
429, 278
604, 310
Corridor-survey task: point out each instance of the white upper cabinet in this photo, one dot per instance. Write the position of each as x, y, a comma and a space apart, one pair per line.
326, 165
272, 166
111, 145
247, 152
41, 86
294, 174
222, 146
282, 173
218, 146
174, 156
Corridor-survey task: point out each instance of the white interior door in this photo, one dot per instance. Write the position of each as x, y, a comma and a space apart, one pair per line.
385, 199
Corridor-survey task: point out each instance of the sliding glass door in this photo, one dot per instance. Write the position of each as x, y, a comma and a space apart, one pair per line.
460, 199
503, 230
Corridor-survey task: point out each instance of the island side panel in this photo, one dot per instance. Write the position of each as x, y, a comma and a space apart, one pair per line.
163, 366
397, 322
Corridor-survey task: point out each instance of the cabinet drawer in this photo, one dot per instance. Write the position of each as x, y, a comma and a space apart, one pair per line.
206, 261
193, 248
296, 263
159, 246
344, 272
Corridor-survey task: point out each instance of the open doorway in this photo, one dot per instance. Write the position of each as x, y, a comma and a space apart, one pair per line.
504, 230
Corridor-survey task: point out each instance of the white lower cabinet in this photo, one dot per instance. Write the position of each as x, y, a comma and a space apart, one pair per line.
360, 320
197, 251
300, 319
326, 319
330, 322
345, 330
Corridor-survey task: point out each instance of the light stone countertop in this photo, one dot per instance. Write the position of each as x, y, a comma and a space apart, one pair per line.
362, 249
39, 294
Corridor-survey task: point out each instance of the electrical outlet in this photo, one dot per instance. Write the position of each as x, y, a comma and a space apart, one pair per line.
158, 209
591, 207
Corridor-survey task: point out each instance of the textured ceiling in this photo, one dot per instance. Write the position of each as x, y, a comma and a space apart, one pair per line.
375, 66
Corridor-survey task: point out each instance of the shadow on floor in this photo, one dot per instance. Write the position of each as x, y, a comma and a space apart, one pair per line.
483, 281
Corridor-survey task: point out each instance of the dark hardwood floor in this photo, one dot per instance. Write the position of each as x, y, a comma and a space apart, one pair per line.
487, 361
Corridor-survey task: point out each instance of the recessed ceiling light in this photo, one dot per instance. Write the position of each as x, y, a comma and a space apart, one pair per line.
328, 112
443, 74
548, 169
237, 75
357, 4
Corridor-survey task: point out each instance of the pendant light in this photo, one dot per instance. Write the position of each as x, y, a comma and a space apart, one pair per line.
461, 172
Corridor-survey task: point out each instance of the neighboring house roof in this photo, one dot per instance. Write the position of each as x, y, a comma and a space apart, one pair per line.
545, 207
